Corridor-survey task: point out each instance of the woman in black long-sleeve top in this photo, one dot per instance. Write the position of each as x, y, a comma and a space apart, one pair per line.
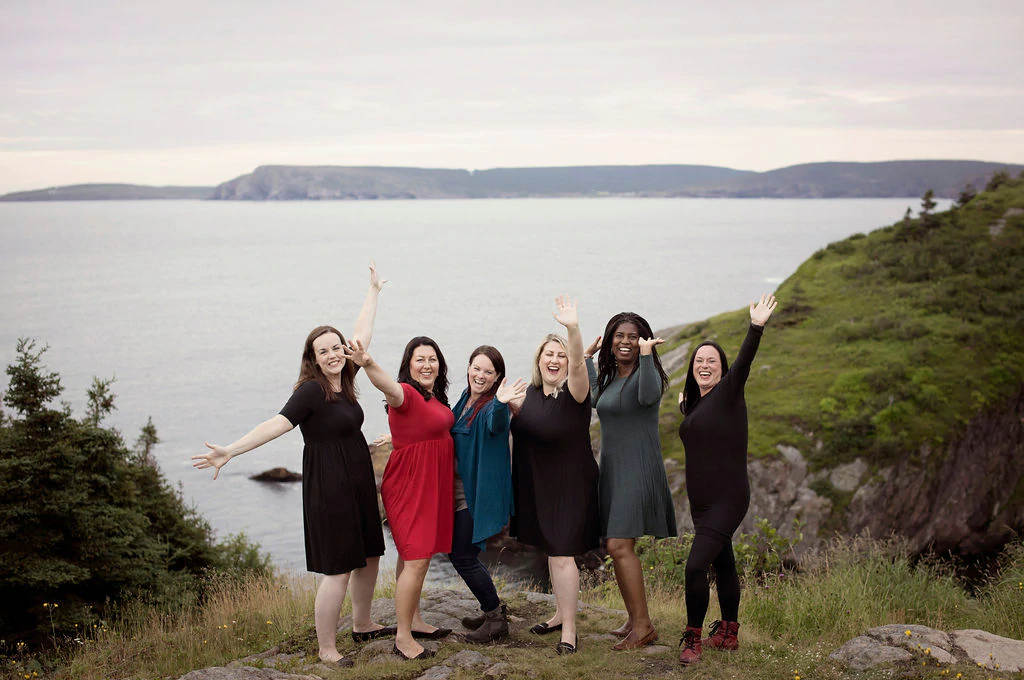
714, 434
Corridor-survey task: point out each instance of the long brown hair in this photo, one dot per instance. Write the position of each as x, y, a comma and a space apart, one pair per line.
499, 371
310, 370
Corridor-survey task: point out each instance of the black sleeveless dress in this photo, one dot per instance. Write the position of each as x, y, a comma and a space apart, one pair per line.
340, 516
554, 475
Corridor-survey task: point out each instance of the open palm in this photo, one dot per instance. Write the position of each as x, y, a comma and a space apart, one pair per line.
761, 310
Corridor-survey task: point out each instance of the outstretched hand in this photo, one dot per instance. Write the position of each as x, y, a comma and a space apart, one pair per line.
566, 314
357, 354
382, 439
647, 345
762, 310
592, 349
507, 393
217, 458
375, 280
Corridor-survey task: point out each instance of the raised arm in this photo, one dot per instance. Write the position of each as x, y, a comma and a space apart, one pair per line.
363, 330
578, 382
650, 389
258, 436
392, 391
760, 312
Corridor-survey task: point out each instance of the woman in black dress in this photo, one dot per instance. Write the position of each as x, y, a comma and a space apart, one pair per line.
714, 434
344, 539
554, 474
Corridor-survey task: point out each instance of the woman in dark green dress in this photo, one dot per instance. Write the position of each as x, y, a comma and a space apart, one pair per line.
635, 498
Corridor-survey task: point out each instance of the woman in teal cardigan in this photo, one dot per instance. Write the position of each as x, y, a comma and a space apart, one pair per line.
483, 485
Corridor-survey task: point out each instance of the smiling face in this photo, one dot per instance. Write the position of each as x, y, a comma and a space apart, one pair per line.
423, 366
707, 368
626, 343
329, 356
553, 364
481, 375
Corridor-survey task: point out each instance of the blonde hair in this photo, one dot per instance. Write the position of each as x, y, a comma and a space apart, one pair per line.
537, 381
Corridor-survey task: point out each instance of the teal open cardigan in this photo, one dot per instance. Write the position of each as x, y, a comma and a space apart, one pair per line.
483, 461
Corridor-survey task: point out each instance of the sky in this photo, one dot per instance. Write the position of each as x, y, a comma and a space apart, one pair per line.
197, 93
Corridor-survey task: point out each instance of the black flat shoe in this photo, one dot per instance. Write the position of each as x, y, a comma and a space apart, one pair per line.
387, 631
543, 628
438, 634
343, 662
425, 654
563, 648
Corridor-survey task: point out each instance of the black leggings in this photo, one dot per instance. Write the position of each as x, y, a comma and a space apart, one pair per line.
710, 551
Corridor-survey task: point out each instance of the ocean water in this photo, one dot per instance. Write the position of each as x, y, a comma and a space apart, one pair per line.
199, 309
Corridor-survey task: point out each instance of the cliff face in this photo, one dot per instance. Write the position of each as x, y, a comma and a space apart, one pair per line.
815, 180
967, 498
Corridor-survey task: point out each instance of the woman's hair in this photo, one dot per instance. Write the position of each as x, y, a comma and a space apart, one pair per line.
499, 371
440, 389
691, 390
535, 379
606, 366
310, 370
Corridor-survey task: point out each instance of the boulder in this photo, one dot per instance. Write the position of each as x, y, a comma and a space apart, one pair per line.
278, 474
991, 651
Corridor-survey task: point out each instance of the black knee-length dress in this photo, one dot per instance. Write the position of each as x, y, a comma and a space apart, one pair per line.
340, 516
714, 436
554, 475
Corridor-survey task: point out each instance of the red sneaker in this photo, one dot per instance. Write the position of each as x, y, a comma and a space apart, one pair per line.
690, 643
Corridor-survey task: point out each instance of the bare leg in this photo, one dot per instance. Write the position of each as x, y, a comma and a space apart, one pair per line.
565, 583
629, 574
418, 624
362, 582
407, 598
330, 595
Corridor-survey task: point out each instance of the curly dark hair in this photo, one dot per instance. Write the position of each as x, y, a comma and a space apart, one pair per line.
606, 366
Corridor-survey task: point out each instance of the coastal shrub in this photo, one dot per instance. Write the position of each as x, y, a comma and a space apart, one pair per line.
852, 585
86, 521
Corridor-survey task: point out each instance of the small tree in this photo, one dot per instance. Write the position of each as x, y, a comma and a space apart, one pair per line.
967, 195
998, 179
83, 521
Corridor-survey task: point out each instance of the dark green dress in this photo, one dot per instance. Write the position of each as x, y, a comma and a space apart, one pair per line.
634, 493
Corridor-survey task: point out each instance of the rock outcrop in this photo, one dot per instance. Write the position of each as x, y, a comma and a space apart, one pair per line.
899, 643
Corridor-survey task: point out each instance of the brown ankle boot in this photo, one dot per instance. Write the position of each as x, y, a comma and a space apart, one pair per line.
690, 643
723, 635
494, 627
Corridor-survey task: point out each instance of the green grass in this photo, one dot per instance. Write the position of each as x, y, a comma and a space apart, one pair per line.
790, 625
884, 343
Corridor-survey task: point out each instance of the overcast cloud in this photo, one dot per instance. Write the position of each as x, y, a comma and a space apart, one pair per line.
200, 92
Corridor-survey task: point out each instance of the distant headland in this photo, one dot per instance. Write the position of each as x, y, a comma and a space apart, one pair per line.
312, 183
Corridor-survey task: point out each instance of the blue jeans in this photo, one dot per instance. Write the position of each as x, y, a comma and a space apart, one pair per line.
465, 558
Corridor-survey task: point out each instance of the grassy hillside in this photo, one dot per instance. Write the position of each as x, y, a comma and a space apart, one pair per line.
886, 342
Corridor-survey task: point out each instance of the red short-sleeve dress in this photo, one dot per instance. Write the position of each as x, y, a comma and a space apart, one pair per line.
417, 485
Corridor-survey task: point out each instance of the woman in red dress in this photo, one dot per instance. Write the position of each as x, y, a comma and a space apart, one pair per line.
417, 487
